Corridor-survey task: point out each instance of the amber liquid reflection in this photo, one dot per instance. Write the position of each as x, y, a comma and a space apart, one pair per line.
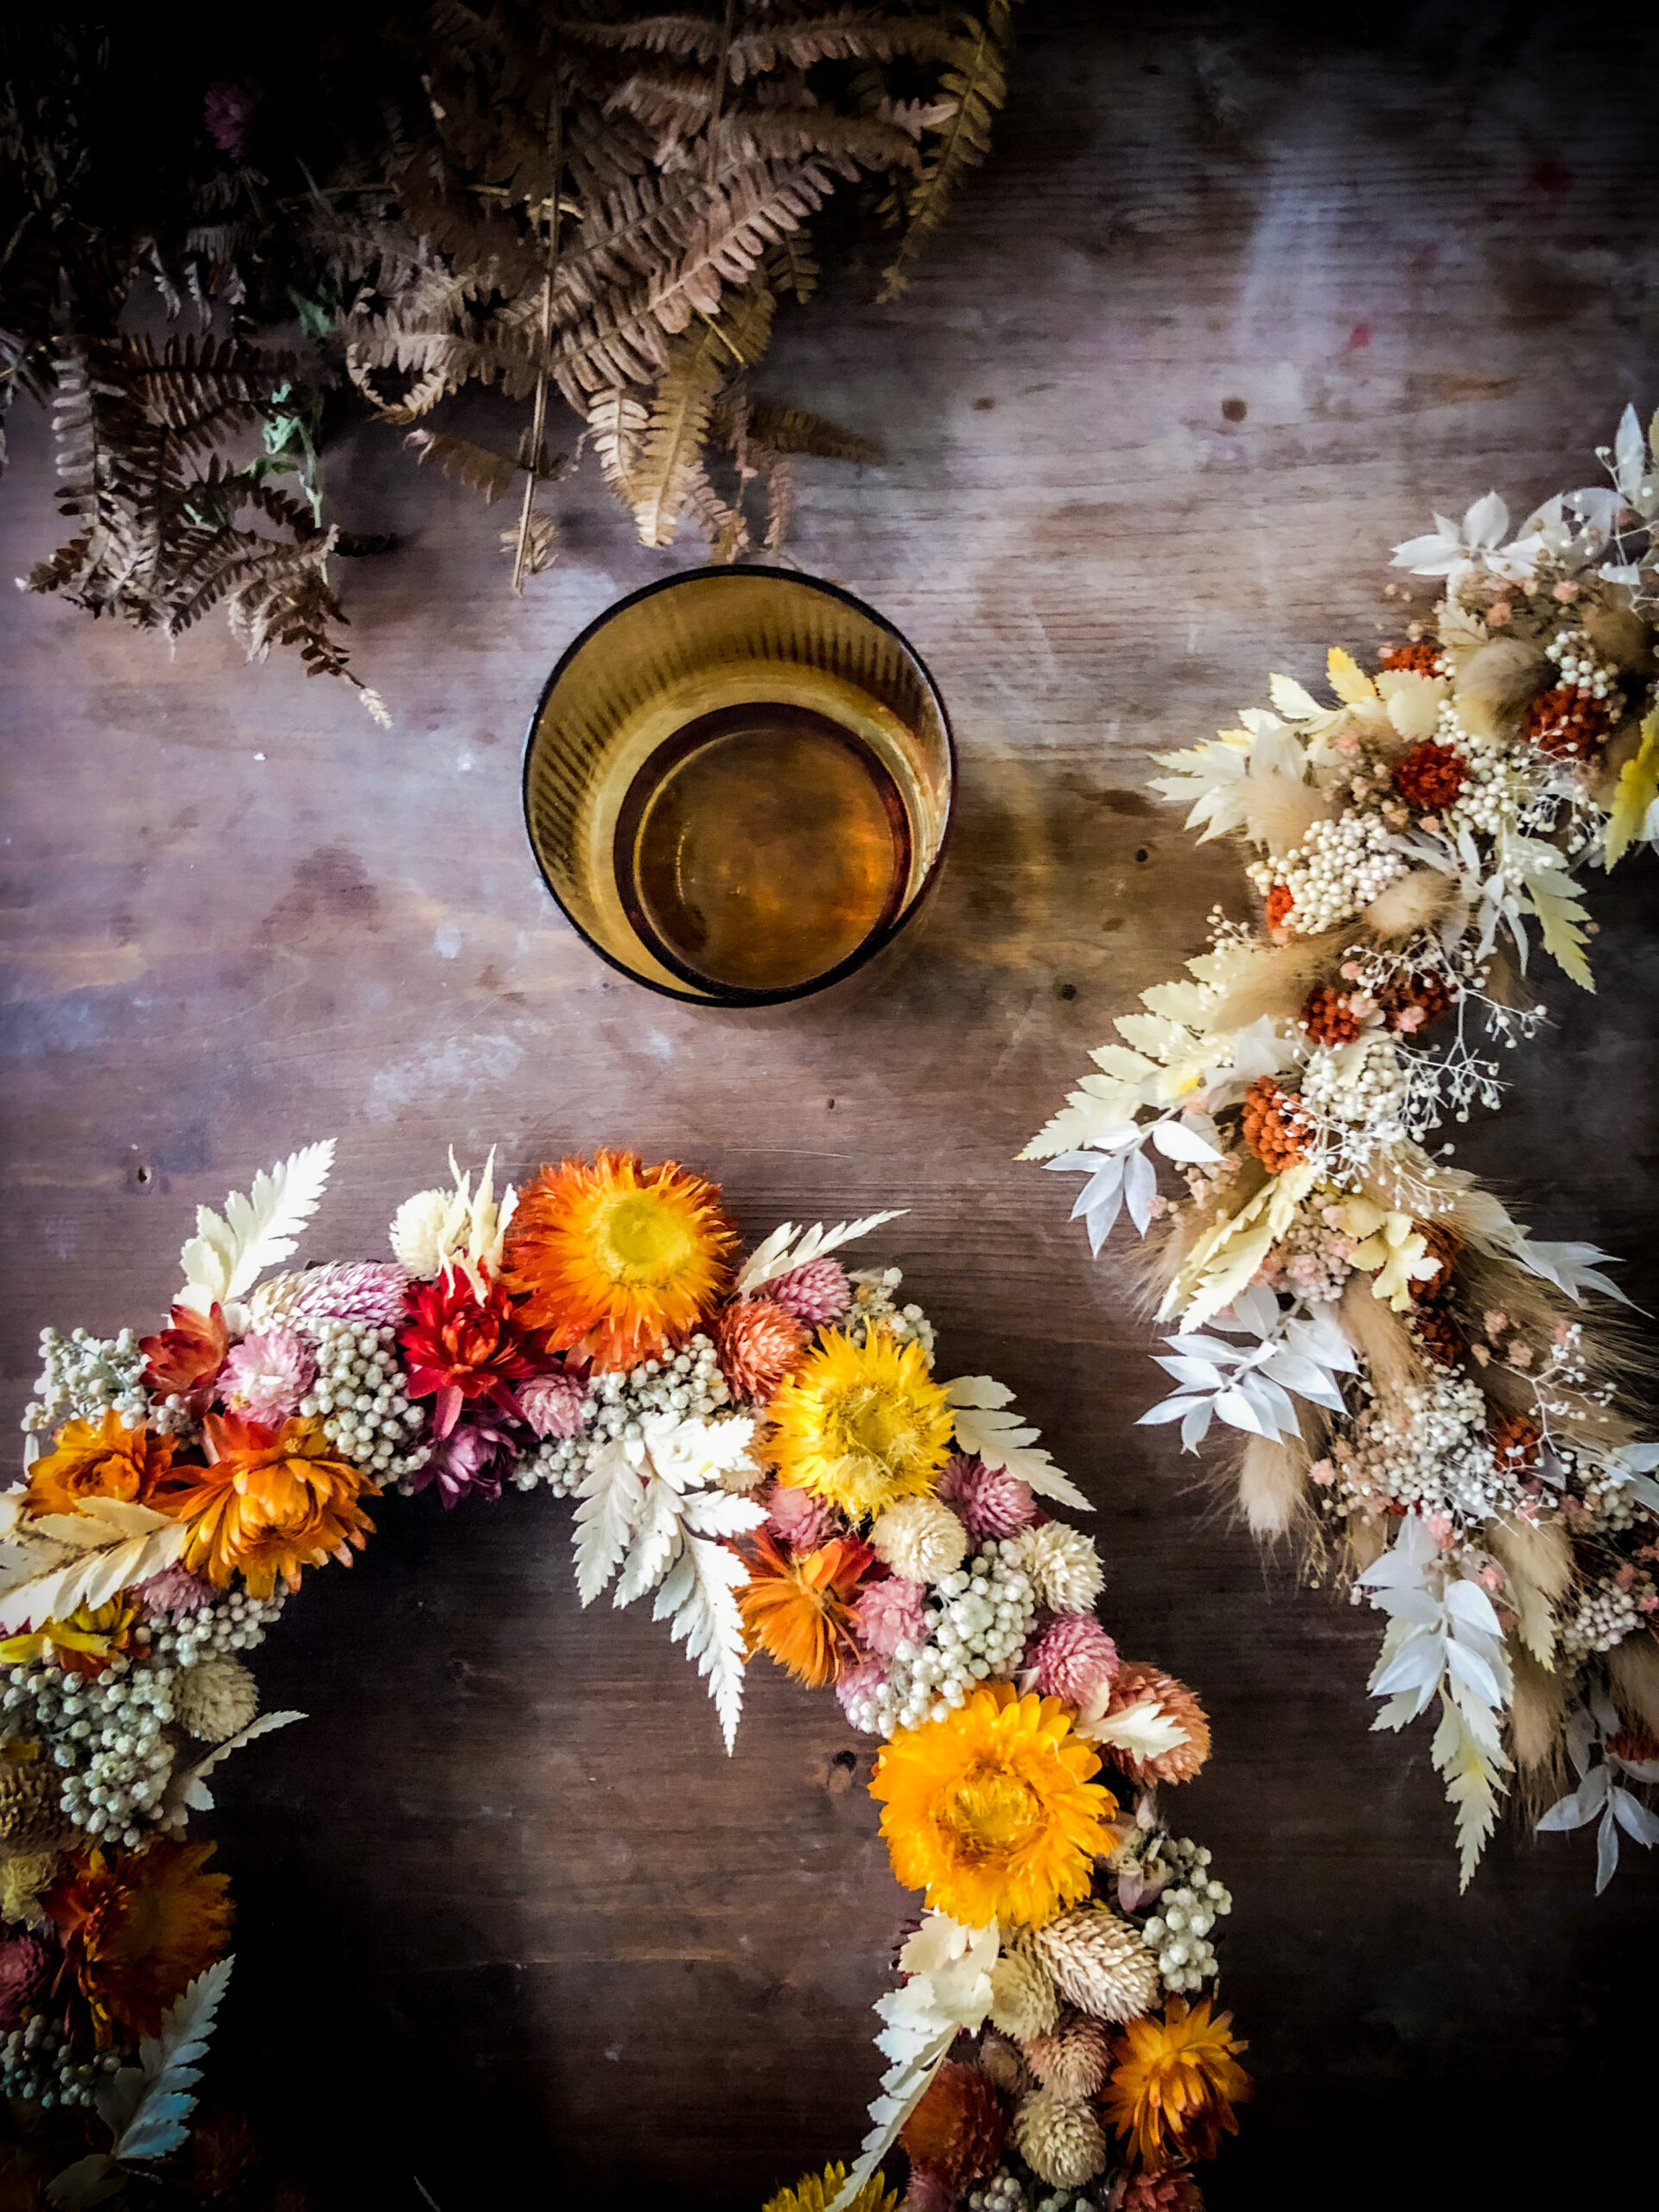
761, 846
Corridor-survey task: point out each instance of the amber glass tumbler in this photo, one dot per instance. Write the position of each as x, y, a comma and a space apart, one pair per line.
737, 784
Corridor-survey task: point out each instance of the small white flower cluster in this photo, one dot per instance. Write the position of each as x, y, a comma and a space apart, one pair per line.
1438, 1456
37, 2062
107, 1730
359, 1392
978, 1619
1606, 1614
1503, 791
690, 1384
1361, 1096
873, 1301
1178, 1933
1002, 2193
1336, 870
1582, 666
83, 1377
1311, 1261
1607, 1499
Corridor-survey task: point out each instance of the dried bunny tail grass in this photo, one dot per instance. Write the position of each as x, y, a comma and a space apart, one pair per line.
1279, 810
1497, 680
1272, 1485
1411, 903
1378, 1335
1633, 1671
1537, 1722
1274, 980
1620, 636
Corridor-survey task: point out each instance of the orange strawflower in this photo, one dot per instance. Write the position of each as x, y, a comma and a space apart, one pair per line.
137, 1927
272, 1500
98, 1460
186, 1356
991, 1809
798, 1610
1174, 2082
619, 1260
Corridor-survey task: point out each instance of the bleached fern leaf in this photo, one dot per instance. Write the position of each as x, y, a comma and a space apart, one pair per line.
50, 1565
698, 1600
477, 467
611, 1498
159, 2092
788, 1248
669, 462
1473, 1786
617, 424
1000, 1439
1562, 915
226, 1256
188, 1791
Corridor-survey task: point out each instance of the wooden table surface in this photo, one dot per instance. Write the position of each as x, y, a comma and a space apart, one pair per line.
1232, 307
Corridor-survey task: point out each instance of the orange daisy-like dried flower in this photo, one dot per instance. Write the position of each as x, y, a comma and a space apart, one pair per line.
799, 1609
186, 1356
991, 1809
621, 1260
98, 1460
1138, 1683
137, 1927
1174, 2082
273, 1501
759, 1346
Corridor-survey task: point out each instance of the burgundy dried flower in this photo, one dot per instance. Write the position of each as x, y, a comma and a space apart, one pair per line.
228, 109
988, 1503
468, 1462
817, 1293
555, 1404
889, 1613
25, 1974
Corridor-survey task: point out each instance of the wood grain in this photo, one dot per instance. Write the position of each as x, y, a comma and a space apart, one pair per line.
1238, 298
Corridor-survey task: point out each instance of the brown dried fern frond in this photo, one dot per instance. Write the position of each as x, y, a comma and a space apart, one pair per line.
977, 80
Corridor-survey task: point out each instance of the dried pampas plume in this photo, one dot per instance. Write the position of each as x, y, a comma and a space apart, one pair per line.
1497, 680
1634, 1666
1376, 1333
1271, 1476
1273, 981
1535, 1718
1411, 903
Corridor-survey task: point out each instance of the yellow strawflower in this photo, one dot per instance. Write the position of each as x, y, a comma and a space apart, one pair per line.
862, 1423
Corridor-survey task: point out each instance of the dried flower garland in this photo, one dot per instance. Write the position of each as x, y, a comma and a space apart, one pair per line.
1432, 1402
760, 1446
601, 201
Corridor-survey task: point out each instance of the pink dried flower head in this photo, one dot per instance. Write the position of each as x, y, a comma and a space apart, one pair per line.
854, 1683
227, 111
817, 1293
371, 1293
555, 1404
800, 1519
759, 1344
1074, 1655
173, 1594
988, 1503
25, 1974
264, 1377
889, 1613
927, 2192
1158, 2193
469, 1462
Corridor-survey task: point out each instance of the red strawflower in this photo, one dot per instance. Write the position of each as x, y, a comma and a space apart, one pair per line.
457, 1347
184, 1357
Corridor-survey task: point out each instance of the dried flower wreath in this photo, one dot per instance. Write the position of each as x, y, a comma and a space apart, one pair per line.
1432, 1402
603, 203
758, 1445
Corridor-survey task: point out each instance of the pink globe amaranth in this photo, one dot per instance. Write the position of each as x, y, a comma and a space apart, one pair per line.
1073, 1656
798, 1519
266, 1375
888, 1613
859, 1682
988, 1502
817, 1293
926, 2192
174, 1594
555, 1404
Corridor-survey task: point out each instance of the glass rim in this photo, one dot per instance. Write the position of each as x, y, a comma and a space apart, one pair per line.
879, 939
